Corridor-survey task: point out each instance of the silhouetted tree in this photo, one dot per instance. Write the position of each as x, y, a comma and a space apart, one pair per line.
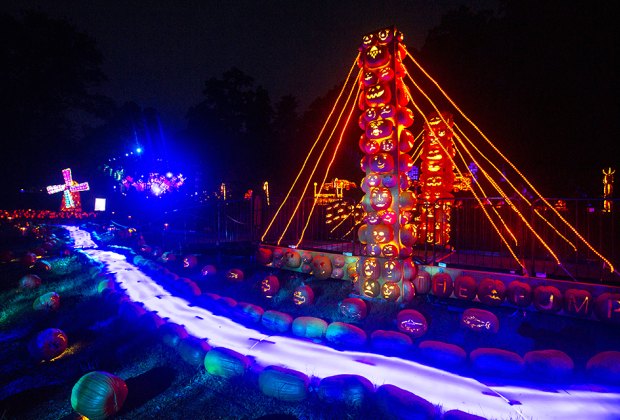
539, 78
231, 129
47, 82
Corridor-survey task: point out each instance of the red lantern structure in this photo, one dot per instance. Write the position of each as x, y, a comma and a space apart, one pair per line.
437, 179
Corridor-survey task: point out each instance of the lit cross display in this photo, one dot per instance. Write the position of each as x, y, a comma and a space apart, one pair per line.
71, 192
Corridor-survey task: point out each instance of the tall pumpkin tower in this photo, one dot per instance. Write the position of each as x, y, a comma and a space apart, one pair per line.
385, 268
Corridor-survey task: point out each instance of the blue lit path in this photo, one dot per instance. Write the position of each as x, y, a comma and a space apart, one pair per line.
442, 388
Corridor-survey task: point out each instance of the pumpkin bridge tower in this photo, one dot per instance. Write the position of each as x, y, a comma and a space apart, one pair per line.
388, 233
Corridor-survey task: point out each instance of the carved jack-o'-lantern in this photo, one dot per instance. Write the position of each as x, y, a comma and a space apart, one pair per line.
480, 320
377, 56
381, 93
607, 307
235, 274
387, 145
407, 200
292, 259
303, 295
412, 322
519, 294
321, 267
190, 261
389, 250
270, 286
369, 268
548, 299
392, 270
406, 141
442, 285
373, 218
373, 180
390, 291
371, 288
362, 233
390, 180
388, 217
422, 282
353, 308
369, 146
386, 74
407, 235
465, 288
404, 117
380, 198
578, 302
373, 250
381, 163
491, 292
382, 234
368, 78
379, 129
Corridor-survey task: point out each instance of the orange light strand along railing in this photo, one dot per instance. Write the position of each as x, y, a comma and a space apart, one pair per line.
529, 184
275, 216
331, 162
318, 160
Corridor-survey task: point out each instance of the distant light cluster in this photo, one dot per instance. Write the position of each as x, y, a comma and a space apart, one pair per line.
155, 184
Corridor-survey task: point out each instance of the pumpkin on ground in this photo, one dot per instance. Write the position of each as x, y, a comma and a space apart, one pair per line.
235, 274
47, 302
303, 295
270, 286
98, 395
48, 344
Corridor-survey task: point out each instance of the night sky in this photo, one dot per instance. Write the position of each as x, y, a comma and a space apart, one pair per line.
159, 53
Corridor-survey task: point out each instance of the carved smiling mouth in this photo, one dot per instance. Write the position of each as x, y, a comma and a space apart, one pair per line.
375, 94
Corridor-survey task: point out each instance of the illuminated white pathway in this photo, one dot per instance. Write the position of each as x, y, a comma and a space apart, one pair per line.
439, 387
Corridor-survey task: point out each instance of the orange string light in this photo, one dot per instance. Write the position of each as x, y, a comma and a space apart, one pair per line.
318, 160
344, 85
344, 127
523, 177
497, 230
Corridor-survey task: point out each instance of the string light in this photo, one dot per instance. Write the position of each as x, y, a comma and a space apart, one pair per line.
523, 177
316, 164
288, 194
344, 127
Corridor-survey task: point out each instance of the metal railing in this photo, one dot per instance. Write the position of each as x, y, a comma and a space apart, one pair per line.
474, 242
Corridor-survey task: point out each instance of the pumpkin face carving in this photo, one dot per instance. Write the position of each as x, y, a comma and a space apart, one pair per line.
379, 129
392, 270
270, 286
491, 292
390, 250
380, 198
369, 269
303, 296
382, 234
378, 94
381, 163
371, 288
390, 291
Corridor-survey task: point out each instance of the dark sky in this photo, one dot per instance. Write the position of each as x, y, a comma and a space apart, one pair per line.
159, 53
